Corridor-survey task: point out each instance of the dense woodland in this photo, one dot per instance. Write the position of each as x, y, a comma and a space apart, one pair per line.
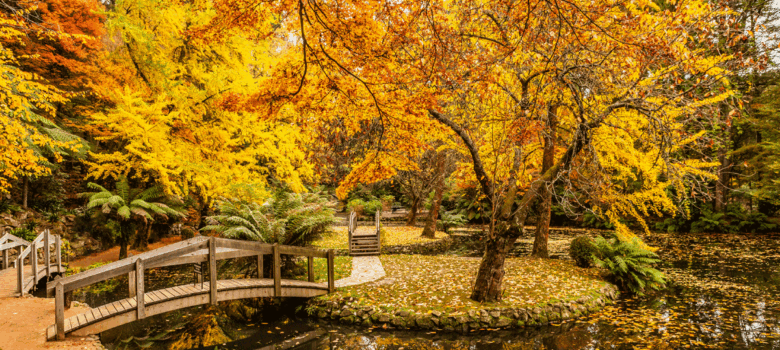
634, 116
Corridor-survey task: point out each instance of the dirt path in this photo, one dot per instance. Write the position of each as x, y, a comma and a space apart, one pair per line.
23, 321
112, 254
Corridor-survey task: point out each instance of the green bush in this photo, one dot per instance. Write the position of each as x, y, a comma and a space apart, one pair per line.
450, 219
285, 218
629, 264
582, 250
24, 233
366, 208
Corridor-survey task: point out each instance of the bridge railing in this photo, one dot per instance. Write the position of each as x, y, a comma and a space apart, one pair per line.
194, 250
44, 241
8, 242
351, 226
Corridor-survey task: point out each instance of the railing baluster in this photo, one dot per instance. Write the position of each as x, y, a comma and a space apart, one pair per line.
47, 253
311, 268
59, 310
131, 283
260, 266
277, 272
20, 273
139, 288
5, 259
213, 270
331, 272
34, 260
58, 240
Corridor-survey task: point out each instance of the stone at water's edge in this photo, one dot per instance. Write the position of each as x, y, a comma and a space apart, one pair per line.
344, 311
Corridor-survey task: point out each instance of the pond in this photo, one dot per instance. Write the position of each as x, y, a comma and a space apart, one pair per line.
725, 294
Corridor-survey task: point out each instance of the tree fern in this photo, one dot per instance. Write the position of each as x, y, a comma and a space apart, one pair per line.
285, 218
628, 263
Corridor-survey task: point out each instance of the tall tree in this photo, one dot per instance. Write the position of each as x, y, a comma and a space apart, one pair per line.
548, 158
429, 231
623, 75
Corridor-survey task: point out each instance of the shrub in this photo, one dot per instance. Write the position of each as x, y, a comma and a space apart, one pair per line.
24, 233
582, 250
187, 232
629, 264
286, 218
450, 219
366, 208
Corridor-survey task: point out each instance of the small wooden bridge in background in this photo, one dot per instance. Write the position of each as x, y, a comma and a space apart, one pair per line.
364, 240
43, 256
143, 303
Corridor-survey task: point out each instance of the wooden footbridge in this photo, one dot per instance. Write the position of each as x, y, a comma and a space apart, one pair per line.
43, 257
364, 240
143, 303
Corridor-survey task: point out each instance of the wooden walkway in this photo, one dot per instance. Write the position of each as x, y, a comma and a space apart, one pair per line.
364, 241
194, 251
160, 301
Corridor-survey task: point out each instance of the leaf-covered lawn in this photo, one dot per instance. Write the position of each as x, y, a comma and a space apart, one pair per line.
342, 268
420, 283
397, 235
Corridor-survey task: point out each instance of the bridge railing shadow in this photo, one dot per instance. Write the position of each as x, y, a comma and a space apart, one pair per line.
192, 251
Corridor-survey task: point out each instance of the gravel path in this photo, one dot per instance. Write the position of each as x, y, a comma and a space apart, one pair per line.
364, 269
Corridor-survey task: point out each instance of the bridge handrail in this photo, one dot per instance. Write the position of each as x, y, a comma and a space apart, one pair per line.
9, 241
44, 238
136, 265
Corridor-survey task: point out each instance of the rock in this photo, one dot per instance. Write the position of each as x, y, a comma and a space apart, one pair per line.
384, 318
566, 315
334, 314
543, 319
402, 313
503, 322
522, 315
436, 321
348, 320
436, 313
322, 314
366, 322
495, 313
398, 322
554, 316
474, 325
472, 314
520, 323
346, 313
424, 322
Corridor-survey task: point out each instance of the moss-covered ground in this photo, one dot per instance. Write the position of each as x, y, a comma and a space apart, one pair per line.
443, 283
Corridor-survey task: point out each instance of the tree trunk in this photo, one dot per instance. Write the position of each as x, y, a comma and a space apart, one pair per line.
124, 237
722, 182
142, 240
25, 185
487, 286
548, 158
412, 220
430, 224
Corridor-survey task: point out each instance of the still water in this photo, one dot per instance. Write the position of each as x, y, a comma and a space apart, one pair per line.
724, 294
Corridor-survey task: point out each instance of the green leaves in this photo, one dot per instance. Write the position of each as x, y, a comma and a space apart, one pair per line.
628, 263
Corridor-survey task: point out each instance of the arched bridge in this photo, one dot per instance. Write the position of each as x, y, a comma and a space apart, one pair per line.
192, 251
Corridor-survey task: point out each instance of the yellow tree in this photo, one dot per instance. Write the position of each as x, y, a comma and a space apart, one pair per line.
30, 139
167, 125
619, 78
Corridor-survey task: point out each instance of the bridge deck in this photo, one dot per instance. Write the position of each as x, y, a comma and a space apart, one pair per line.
173, 298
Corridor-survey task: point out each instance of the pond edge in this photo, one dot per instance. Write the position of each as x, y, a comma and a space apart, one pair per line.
342, 311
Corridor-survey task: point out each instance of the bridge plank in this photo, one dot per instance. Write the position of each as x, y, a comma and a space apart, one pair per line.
96, 315
82, 319
166, 294
126, 304
90, 318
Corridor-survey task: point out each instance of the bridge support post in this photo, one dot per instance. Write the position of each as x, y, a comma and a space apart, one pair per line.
20, 274
331, 272
47, 252
59, 310
139, 289
260, 266
213, 270
5, 259
34, 261
277, 271
311, 268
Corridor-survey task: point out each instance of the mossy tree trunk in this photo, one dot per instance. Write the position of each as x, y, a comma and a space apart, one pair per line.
548, 158
430, 223
412, 219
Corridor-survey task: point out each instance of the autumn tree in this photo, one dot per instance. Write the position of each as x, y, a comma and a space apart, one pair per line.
621, 75
167, 124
